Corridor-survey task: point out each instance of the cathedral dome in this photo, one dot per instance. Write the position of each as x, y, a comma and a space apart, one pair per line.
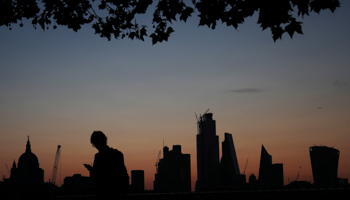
28, 159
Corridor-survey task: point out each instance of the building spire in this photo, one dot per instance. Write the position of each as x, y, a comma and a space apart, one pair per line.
28, 149
14, 164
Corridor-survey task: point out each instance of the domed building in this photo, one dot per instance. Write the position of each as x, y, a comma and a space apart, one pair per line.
28, 169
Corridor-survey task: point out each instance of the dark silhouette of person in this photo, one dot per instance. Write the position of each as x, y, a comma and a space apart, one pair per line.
108, 171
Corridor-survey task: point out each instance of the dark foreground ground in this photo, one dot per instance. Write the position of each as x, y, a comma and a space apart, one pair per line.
292, 194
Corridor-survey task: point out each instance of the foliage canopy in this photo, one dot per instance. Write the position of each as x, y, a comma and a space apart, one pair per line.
117, 18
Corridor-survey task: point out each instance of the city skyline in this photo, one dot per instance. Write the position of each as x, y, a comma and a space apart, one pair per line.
174, 171
59, 86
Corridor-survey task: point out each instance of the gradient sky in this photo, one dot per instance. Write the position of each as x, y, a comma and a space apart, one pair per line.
58, 86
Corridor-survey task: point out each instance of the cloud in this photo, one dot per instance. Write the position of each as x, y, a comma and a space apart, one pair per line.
340, 83
247, 90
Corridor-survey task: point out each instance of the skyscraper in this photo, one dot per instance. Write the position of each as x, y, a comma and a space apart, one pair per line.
324, 163
265, 165
229, 175
270, 175
229, 154
207, 153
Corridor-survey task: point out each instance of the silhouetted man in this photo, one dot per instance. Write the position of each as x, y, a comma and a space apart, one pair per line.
108, 171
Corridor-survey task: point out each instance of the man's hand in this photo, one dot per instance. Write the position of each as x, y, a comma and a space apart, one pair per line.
88, 167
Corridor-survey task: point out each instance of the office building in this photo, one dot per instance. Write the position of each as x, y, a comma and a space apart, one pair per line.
324, 163
207, 153
79, 182
173, 171
229, 174
270, 175
137, 180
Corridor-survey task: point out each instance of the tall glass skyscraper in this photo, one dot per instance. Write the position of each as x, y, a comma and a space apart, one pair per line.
324, 163
270, 175
229, 174
207, 154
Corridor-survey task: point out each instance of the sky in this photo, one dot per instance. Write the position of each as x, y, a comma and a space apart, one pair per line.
58, 86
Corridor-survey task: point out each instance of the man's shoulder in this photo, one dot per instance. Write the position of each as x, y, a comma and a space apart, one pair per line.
115, 151
108, 151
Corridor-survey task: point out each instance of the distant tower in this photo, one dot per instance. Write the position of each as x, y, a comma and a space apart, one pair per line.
14, 171
252, 178
229, 169
207, 154
173, 171
276, 176
229, 153
79, 182
252, 181
324, 163
270, 175
137, 180
265, 165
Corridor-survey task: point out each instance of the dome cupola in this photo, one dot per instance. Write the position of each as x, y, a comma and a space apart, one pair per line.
28, 159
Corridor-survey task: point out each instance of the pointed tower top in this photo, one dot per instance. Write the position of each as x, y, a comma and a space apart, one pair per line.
263, 150
28, 149
14, 163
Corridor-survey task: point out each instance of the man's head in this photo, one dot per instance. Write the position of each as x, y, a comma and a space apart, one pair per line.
98, 139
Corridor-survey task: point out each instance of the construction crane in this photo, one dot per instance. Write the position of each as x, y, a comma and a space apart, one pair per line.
298, 174
8, 170
196, 116
157, 161
55, 166
200, 116
245, 166
206, 112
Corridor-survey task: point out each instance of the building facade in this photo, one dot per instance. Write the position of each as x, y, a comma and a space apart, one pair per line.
137, 181
207, 154
173, 171
324, 163
229, 174
270, 175
79, 182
